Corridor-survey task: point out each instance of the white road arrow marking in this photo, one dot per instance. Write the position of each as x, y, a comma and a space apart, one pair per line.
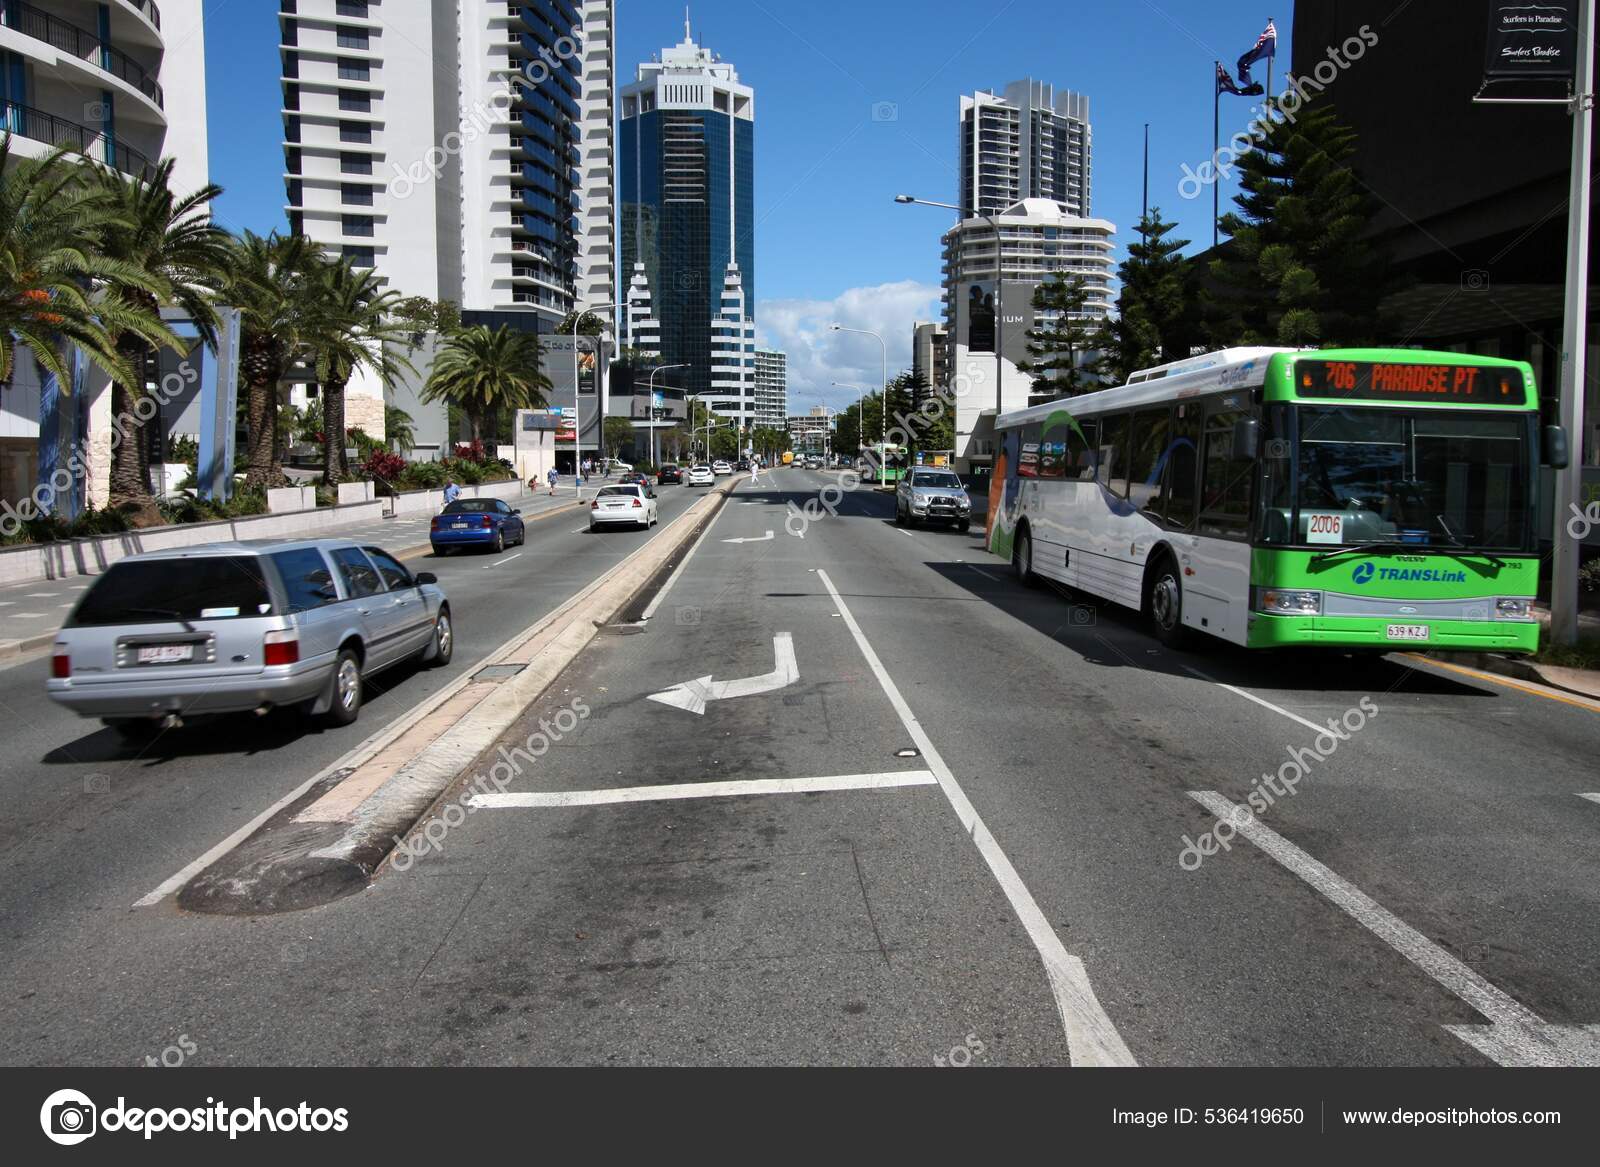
692, 696
752, 539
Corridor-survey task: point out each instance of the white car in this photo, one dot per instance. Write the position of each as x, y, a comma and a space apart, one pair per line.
631, 504
719, 468
699, 476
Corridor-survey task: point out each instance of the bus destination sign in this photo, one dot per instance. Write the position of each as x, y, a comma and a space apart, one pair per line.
1406, 381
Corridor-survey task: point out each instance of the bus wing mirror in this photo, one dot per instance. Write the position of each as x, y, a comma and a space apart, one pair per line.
1556, 454
1246, 439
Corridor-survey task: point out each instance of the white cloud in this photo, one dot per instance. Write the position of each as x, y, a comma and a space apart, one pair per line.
819, 356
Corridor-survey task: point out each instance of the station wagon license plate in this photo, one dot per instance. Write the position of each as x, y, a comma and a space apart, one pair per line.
165, 654
1407, 632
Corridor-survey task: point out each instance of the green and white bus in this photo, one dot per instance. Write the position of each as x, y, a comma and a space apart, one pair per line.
1350, 498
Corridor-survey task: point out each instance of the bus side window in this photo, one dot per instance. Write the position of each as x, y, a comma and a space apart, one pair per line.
1053, 446
1225, 485
1084, 449
1147, 459
1179, 493
1028, 460
1112, 471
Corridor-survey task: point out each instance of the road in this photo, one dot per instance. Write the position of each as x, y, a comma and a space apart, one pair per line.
997, 870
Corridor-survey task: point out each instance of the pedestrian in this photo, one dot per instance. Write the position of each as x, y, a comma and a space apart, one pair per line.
553, 477
754, 467
451, 491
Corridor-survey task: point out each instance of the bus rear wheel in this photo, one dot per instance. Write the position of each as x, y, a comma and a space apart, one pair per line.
1022, 560
1164, 601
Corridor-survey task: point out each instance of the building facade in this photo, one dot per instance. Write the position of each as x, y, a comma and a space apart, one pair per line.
809, 433
464, 151
989, 304
123, 82
685, 163
772, 388
1029, 142
930, 353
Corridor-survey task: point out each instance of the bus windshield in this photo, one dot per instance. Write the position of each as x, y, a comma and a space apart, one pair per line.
1430, 477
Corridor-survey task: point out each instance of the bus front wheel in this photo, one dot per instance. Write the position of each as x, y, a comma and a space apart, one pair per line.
1022, 560
1165, 602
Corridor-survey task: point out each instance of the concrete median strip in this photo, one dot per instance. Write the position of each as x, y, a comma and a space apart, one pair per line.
331, 835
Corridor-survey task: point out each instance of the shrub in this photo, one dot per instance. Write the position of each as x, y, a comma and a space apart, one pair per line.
420, 476
383, 467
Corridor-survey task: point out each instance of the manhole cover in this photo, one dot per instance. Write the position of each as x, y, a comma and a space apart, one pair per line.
497, 672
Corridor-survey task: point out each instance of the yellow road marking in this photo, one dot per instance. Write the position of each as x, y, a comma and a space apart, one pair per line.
1495, 679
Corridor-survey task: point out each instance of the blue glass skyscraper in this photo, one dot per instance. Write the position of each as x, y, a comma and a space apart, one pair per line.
685, 154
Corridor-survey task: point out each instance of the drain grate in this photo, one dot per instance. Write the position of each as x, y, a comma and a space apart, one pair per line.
497, 672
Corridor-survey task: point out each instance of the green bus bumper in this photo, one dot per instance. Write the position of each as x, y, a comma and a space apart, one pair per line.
1365, 632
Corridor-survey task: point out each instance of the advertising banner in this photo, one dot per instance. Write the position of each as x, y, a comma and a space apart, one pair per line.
1532, 39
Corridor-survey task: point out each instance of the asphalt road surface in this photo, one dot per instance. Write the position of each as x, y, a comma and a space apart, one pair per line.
948, 820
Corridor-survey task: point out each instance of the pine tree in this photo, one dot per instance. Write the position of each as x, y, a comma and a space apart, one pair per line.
1297, 271
1158, 309
1057, 350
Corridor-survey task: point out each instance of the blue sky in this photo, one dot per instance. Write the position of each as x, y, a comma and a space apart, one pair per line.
831, 243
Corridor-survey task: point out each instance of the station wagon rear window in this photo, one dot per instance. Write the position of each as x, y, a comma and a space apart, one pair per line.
155, 591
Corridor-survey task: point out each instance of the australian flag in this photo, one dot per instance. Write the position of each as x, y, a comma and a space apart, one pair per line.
1225, 84
1266, 49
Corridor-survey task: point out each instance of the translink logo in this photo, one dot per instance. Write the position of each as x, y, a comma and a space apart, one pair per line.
1365, 572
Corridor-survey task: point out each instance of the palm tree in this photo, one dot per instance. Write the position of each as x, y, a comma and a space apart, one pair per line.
399, 429
51, 221
269, 285
178, 258
482, 372
354, 327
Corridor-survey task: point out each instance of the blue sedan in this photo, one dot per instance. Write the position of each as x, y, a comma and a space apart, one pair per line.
477, 522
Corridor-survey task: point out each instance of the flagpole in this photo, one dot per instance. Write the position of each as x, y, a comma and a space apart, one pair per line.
1216, 145
1269, 59
1145, 209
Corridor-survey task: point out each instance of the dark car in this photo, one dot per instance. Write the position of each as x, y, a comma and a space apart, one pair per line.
634, 478
477, 522
742, 465
670, 474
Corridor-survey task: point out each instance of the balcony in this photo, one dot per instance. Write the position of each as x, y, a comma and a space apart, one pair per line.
81, 43
54, 131
148, 7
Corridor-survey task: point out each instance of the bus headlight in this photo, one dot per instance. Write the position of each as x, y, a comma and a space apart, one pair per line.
1289, 601
1513, 609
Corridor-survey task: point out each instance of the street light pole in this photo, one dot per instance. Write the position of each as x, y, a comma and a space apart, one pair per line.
861, 412
883, 439
655, 454
999, 301
577, 395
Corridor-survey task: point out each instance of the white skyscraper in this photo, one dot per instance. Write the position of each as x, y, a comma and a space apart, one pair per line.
1031, 142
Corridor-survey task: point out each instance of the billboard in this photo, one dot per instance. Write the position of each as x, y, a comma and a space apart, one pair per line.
1531, 39
981, 316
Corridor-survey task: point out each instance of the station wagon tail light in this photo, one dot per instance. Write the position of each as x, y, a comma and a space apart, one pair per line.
61, 663
1512, 609
1289, 601
281, 648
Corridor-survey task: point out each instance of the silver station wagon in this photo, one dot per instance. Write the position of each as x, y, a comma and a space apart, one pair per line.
236, 627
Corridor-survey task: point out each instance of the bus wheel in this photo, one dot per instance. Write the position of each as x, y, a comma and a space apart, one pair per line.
1022, 560
1165, 599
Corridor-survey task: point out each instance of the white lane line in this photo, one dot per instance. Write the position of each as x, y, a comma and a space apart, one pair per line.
751, 787
25, 616
499, 562
1449, 972
41, 595
985, 574
1092, 1040
175, 882
676, 572
906, 533
1311, 725
1591, 797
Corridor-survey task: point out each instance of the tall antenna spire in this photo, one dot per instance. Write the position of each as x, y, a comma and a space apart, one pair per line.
688, 35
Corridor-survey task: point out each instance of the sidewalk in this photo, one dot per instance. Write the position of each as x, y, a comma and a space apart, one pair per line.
1582, 682
30, 613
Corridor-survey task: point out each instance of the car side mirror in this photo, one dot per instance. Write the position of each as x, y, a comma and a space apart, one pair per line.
1557, 455
1246, 439
516, 510
426, 577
